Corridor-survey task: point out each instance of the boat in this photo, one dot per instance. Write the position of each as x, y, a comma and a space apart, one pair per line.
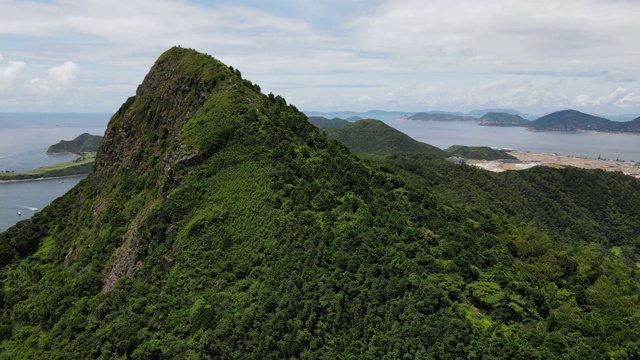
19, 213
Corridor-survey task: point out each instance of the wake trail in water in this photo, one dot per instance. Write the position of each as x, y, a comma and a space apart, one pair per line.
5, 205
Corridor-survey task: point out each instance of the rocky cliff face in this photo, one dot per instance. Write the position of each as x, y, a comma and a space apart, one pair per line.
176, 87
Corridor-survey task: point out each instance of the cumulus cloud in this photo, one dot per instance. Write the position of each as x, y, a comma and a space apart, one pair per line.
10, 74
583, 100
620, 97
15, 82
58, 80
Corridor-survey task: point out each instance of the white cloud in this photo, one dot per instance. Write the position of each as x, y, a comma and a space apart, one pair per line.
59, 80
15, 82
503, 83
364, 99
505, 35
10, 74
413, 44
583, 100
620, 97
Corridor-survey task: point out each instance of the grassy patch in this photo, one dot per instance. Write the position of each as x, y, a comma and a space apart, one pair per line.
79, 166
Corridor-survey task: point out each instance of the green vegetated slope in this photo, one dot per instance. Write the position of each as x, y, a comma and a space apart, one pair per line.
219, 223
502, 119
478, 152
374, 136
81, 144
322, 122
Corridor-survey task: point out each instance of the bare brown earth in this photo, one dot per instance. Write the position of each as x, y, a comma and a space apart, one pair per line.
528, 159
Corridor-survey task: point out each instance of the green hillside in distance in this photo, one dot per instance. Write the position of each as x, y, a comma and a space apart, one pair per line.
481, 113
502, 119
81, 144
631, 126
374, 136
572, 120
439, 116
219, 223
322, 122
478, 153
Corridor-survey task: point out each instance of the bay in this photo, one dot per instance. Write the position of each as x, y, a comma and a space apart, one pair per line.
24, 140
20, 200
625, 147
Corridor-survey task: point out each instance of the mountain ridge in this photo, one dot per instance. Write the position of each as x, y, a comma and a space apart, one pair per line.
374, 136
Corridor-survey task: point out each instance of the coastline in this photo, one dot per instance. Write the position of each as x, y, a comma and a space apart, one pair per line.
40, 178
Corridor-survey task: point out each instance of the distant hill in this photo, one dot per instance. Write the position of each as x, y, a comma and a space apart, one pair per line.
478, 153
502, 119
572, 120
361, 115
437, 116
82, 144
624, 117
630, 126
322, 122
371, 136
481, 113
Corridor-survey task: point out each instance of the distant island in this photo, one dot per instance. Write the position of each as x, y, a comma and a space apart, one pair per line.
83, 146
439, 116
565, 120
85, 143
502, 119
572, 120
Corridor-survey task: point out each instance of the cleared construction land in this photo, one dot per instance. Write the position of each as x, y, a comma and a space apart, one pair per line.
528, 159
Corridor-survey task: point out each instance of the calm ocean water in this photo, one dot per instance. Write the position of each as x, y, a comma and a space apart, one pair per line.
582, 144
24, 138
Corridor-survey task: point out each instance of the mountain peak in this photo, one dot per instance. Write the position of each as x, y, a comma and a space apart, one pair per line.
176, 87
188, 108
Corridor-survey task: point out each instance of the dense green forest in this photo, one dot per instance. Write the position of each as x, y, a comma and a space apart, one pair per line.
322, 122
374, 136
371, 136
219, 223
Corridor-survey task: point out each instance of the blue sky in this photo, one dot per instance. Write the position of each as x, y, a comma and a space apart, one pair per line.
327, 55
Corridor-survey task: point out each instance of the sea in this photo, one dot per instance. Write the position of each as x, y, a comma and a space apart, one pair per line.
25, 137
24, 140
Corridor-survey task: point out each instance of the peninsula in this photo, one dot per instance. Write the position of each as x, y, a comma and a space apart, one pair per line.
80, 166
84, 147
